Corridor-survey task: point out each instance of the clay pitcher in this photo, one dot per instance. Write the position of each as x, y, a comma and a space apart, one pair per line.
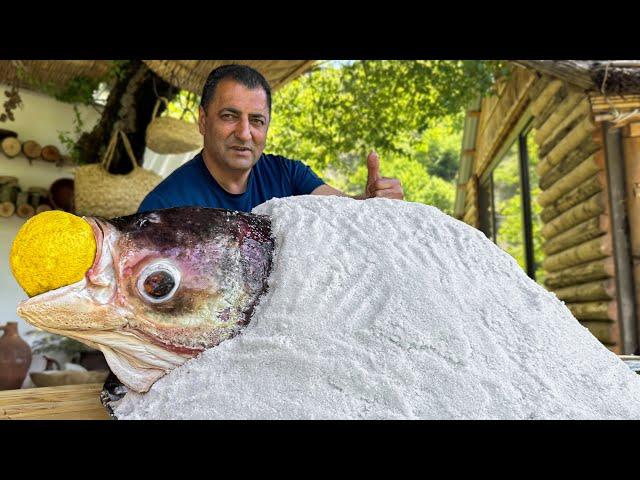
15, 358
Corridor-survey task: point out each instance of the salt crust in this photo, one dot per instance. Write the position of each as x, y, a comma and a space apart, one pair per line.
382, 309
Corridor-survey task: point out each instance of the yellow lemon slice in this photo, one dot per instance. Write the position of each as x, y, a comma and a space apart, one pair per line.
51, 250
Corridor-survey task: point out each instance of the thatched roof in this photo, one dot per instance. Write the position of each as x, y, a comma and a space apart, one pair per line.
186, 74
55, 72
615, 77
191, 74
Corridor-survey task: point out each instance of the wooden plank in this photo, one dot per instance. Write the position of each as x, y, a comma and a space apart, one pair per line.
65, 402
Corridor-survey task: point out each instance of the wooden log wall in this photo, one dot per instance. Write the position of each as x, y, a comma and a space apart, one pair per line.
572, 171
576, 232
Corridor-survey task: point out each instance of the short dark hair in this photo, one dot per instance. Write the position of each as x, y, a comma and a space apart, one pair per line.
243, 74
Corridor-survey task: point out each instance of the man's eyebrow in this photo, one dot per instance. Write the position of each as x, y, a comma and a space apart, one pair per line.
238, 112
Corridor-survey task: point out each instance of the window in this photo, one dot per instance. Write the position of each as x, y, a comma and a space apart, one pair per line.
509, 214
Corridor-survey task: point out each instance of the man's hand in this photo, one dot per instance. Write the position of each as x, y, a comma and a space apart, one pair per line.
378, 186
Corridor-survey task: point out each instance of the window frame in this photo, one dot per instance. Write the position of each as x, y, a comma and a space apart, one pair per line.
486, 192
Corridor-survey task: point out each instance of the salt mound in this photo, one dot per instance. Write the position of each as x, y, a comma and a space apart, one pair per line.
383, 309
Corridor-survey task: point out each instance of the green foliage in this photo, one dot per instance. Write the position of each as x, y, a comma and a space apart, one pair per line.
410, 112
386, 105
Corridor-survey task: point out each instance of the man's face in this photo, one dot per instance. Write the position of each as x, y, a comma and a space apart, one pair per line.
235, 125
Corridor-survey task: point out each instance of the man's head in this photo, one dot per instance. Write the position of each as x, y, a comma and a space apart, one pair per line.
235, 111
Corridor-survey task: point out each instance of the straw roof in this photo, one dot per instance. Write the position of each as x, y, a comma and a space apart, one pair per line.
56, 72
186, 74
191, 74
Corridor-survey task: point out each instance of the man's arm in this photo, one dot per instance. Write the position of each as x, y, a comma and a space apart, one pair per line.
376, 186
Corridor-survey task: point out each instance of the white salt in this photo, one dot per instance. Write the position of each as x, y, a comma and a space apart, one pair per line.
382, 309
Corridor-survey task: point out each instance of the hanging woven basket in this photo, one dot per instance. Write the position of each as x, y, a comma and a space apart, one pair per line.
166, 135
102, 194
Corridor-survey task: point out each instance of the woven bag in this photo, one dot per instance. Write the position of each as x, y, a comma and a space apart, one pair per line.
166, 135
102, 194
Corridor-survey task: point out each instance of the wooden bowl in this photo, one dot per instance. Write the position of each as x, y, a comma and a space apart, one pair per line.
55, 378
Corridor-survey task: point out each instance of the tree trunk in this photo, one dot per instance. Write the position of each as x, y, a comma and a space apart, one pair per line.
129, 108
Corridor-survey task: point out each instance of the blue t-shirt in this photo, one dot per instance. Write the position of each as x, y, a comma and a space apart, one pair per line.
191, 185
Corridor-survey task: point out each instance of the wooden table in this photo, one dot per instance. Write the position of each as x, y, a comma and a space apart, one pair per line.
69, 402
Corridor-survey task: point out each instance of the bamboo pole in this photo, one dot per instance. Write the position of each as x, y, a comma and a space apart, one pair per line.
595, 249
595, 205
583, 232
568, 143
471, 217
586, 272
556, 117
588, 292
585, 190
575, 158
586, 169
594, 310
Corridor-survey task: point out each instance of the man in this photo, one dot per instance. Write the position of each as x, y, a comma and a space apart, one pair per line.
231, 171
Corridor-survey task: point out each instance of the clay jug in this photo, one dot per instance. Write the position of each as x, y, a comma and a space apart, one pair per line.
15, 358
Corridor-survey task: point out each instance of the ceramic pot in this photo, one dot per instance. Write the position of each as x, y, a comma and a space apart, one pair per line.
15, 358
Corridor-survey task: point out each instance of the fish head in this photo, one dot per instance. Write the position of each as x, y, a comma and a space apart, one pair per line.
164, 286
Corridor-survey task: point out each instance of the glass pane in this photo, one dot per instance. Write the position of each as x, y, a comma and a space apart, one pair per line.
508, 206
532, 150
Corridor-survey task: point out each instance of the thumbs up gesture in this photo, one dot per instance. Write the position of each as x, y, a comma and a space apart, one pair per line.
379, 186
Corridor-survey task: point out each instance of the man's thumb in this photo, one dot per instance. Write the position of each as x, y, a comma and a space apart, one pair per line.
373, 167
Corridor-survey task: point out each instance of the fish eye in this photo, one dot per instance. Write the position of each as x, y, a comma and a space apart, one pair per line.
158, 282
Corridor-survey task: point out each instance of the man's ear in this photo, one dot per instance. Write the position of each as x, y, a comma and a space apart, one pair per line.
201, 119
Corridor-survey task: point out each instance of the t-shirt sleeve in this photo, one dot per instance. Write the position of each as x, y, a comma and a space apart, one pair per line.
303, 179
152, 201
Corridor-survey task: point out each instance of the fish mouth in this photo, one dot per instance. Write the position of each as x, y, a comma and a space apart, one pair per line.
137, 360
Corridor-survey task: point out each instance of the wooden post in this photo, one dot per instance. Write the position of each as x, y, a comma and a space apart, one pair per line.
623, 260
631, 149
